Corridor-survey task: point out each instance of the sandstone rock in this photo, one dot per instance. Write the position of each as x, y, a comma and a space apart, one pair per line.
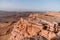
58, 33
33, 26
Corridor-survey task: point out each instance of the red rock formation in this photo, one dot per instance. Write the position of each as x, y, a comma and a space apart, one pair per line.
25, 28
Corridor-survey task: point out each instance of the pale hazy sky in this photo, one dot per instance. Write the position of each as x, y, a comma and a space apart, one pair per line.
40, 5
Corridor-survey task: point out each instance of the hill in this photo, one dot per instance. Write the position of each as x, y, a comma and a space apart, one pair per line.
30, 26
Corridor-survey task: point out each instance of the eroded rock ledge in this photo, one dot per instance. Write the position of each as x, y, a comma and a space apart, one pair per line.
32, 26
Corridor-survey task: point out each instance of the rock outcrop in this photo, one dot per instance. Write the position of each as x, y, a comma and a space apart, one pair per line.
33, 26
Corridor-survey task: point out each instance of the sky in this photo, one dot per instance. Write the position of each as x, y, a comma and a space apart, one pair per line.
30, 5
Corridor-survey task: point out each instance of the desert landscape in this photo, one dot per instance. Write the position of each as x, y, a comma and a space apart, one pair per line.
29, 19
29, 25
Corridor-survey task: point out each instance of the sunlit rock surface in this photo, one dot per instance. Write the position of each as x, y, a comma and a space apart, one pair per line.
32, 27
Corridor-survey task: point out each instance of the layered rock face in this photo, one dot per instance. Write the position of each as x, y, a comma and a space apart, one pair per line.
35, 28
32, 26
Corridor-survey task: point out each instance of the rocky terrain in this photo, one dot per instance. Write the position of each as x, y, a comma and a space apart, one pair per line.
30, 26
